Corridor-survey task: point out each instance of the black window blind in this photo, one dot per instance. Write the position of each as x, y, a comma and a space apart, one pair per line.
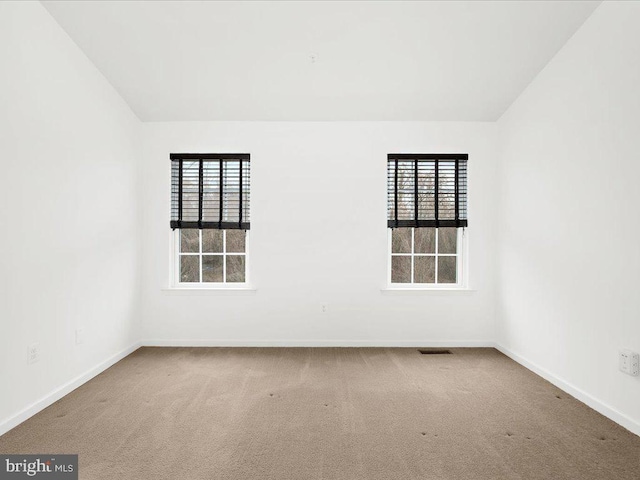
427, 190
210, 190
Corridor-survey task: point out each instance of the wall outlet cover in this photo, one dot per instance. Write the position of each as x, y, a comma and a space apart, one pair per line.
629, 362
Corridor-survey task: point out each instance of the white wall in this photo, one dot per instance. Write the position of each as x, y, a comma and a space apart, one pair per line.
569, 256
318, 235
68, 211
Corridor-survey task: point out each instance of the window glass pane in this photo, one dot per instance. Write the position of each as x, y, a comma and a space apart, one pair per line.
400, 269
425, 240
446, 189
211, 191
236, 241
424, 270
406, 190
447, 269
190, 241
426, 189
212, 268
189, 268
190, 192
401, 240
235, 268
212, 241
447, 240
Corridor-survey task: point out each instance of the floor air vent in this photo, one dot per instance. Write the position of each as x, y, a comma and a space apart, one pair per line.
435, 351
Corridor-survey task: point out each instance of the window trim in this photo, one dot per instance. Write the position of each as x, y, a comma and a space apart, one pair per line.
462, 266
176, 285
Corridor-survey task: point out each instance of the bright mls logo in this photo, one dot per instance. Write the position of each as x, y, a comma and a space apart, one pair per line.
51, 467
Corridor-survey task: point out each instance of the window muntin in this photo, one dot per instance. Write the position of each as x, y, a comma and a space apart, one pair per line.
425, 256
211, 256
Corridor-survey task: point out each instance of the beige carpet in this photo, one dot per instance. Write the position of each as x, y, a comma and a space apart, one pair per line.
335, 413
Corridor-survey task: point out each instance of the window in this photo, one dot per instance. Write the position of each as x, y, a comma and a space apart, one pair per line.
425, 255
212, 256
426, 216
210, 218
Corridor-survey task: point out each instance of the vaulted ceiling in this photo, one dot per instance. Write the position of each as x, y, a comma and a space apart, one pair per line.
320, 60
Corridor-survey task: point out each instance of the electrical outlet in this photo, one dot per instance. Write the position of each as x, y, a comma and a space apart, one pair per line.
79, 336
629, 362
33, 353
324, 308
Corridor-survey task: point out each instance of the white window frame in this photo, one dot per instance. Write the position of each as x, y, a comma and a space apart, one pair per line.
224, 285
461, 264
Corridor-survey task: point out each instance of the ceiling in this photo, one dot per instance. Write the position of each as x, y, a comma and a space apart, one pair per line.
320, 60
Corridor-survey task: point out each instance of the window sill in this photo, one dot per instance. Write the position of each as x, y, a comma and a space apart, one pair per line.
427, 291
216, 291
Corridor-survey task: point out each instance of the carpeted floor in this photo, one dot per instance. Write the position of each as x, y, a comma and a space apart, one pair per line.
330, 413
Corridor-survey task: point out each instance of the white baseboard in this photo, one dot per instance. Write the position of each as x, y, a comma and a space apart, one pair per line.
313, 343
58, 393
584, 397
